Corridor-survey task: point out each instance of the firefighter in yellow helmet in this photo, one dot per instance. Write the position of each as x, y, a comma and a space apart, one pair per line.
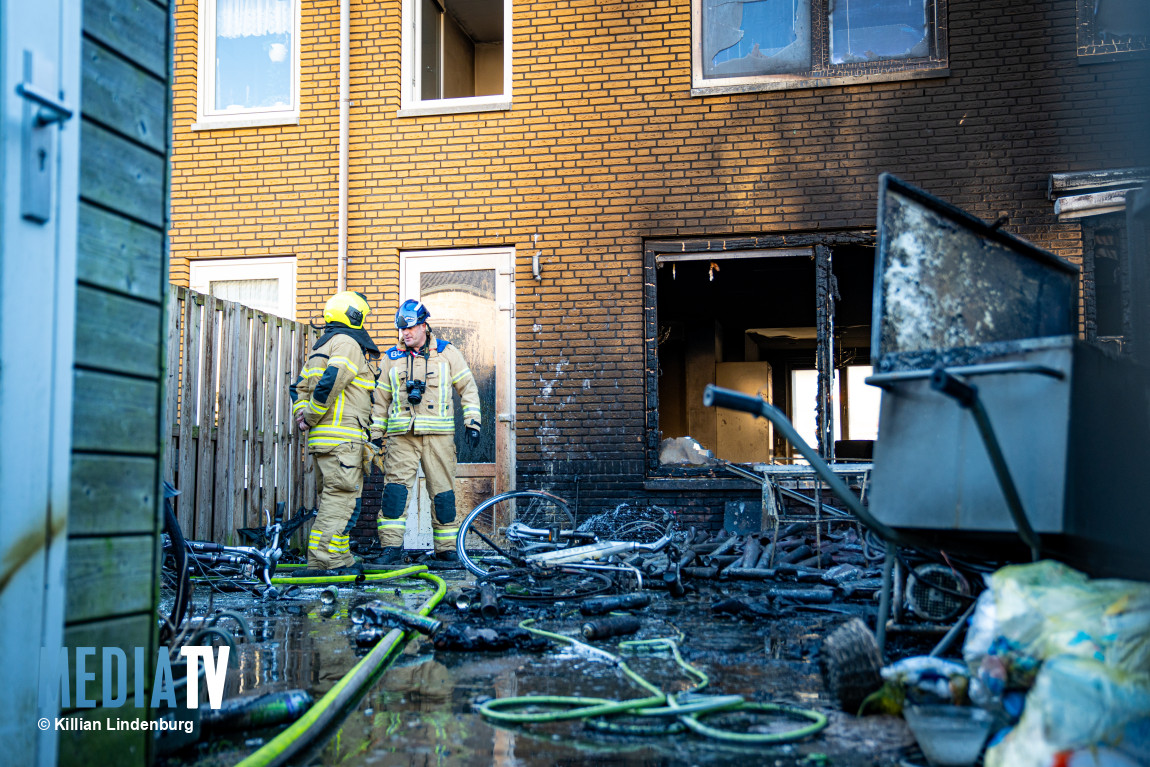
414, 408
331, 402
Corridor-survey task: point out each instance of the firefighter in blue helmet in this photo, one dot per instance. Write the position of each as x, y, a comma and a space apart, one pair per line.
331, 402
413, 408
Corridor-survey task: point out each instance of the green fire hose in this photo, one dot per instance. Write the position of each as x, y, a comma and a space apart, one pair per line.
686, 708
295, 738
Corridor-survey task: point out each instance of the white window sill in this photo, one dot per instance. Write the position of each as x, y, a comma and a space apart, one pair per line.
454, 107
225, 122
720, 87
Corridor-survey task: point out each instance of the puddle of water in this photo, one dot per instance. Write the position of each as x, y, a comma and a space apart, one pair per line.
423, 709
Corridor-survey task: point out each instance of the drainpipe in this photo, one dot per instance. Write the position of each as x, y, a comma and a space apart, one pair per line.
344, 34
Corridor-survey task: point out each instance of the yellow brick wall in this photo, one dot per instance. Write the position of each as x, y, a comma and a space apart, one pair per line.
604, 146
269, 191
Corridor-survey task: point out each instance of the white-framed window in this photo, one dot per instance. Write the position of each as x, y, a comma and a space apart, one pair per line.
266, 284
746, 45
249, 63
456, 56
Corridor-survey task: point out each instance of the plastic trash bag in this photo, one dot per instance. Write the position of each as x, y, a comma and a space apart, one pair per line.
1078, 703
1033, 612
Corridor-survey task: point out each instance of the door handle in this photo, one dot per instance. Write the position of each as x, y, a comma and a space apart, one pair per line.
38, 138
59, 112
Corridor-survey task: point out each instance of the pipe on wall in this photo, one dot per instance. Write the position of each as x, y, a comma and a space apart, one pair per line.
344, 103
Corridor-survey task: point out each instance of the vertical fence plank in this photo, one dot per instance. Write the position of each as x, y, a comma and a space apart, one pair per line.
240, 469
255, 456
299, 448
171, 384
206, 421
311, 471
189, 391
223, 522
309, 480
219, 444
267, 469
295, 458
283, 416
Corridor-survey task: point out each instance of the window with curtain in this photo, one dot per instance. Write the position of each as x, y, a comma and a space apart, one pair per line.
249, 58
265, 284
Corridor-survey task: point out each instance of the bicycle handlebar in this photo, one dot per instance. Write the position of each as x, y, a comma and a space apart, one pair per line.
714, 396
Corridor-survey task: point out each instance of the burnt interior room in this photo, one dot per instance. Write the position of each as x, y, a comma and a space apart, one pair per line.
748, 320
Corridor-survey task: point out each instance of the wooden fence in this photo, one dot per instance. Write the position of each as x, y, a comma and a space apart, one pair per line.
232, 450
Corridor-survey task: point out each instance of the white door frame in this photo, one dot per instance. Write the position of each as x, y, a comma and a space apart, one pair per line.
37, 340
502, 260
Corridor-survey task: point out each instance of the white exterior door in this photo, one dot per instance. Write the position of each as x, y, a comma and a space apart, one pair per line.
471, 299
39, 170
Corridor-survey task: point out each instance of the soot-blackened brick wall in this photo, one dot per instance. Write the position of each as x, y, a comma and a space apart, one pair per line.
605, 148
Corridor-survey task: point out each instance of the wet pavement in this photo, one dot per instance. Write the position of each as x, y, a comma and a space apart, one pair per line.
423, 709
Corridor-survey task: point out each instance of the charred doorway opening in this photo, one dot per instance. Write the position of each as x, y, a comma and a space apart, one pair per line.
785, 318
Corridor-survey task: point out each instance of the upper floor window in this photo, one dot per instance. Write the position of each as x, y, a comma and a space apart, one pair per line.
456, 56
743, 45
248, 63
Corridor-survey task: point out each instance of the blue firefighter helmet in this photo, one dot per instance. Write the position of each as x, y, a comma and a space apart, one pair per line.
411, 313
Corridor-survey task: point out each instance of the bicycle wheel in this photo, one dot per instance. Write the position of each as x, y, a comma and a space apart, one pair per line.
482, 543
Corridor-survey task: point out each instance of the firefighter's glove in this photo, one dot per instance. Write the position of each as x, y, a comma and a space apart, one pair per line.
373, 454
473, 436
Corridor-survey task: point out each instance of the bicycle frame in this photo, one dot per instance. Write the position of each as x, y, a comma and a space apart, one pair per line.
551, 542
577, 554
213, 555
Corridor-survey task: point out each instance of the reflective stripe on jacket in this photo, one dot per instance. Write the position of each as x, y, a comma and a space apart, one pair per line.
334, 392
443, 369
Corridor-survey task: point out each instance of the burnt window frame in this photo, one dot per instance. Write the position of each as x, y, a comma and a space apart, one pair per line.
822, 73
1114, 225
1095, 199
652, 249
1093, 48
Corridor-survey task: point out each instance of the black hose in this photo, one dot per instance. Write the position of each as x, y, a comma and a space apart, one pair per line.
183, 579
